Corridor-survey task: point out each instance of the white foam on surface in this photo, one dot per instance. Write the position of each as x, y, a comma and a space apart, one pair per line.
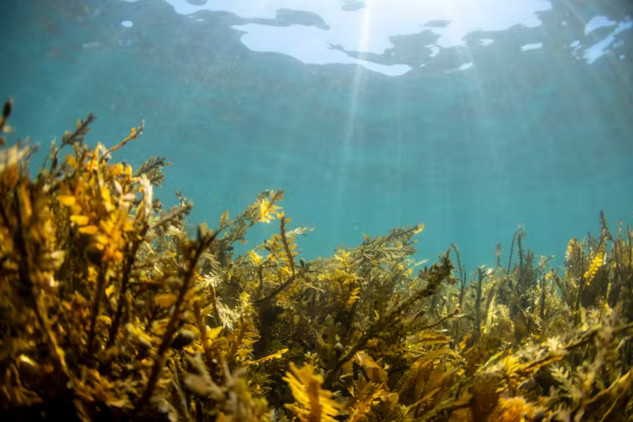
532, 46
368, 29
600, 48
598, 22
465, 66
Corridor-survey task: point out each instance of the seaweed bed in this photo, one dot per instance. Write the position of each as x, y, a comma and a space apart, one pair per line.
110, 310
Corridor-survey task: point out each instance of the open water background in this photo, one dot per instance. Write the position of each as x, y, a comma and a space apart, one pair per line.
539, 137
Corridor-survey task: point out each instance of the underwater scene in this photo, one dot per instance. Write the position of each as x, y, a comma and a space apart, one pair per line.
316, 210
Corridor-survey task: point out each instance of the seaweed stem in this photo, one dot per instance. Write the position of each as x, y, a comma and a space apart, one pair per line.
511, 251
134, 133
441, 320
462, 275
101, 282
581, 286
202, 243
214, 305
543, 289
284, 240
442, 271
36, 299
480, 279
125, 281
278, 289
202, 327
76, 135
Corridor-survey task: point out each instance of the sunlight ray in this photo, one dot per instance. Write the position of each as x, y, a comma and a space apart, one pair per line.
349, 132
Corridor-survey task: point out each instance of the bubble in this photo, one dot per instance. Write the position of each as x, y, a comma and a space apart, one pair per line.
127, 24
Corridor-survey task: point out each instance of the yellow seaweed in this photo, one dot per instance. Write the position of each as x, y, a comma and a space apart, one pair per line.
111, 309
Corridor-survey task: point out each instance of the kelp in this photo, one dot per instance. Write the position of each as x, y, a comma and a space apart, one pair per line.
112, 307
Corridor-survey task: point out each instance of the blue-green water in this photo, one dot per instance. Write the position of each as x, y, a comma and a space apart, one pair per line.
531, 123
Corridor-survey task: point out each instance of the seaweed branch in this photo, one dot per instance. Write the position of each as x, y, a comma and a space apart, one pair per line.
24, 270
481, 274
194, 252
130, 257
134, 133
101, 284
462, 275
70, 138
284, 240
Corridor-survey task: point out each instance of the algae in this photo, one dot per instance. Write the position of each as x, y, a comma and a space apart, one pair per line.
111, 310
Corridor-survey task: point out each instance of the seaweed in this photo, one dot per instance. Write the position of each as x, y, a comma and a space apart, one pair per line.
114, 308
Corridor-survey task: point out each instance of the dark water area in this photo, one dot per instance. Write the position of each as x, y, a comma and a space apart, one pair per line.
536, 137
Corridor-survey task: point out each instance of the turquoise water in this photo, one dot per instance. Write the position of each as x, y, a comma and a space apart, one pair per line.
472, 131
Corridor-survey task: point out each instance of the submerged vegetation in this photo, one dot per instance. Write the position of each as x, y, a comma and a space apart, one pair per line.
109, 309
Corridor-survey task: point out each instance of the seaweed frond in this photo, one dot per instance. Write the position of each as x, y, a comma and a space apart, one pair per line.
312, 403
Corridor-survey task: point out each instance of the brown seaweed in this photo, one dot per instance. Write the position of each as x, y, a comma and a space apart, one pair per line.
111, 310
